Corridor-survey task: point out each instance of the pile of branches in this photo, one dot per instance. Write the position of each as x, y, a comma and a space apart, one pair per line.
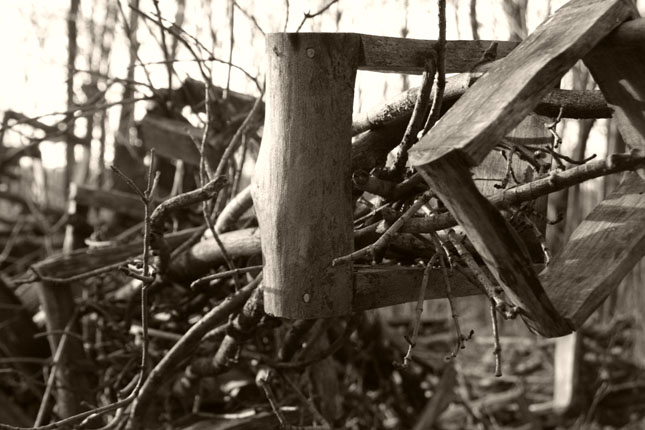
160, 322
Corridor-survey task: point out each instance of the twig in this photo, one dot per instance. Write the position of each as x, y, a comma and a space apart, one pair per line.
440, 81
310, 405
494, 293
184, 346
262, 381
416, 119
52, 371
387, 236
309, 15
226, 274
419, 311
250, 18
497, 348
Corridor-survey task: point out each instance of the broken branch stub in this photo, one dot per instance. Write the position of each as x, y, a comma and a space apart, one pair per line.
302, 185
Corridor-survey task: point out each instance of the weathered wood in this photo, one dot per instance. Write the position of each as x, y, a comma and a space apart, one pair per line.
600, 252
617, 64
494, 105
514, 85
117, 201
497, 243
84, 260
386, 286
397, 55
302, 184
171, 138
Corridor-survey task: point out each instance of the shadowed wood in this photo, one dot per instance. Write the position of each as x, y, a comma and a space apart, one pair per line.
302, 186
514, 85
386, 286
491, 172
600, 252
397, 55
493, 106
497, 243
118, 201
618, 67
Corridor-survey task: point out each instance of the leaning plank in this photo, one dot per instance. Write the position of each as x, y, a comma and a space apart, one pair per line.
618, 66
514, 86
493, 106
497, 243
386, 286
171, 138
600, 252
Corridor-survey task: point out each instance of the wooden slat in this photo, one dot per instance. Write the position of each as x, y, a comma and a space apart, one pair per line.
618, 67
514, 86
379, 287
118, 201
600, 252
497, 243
397, 55
171, 138
493, 106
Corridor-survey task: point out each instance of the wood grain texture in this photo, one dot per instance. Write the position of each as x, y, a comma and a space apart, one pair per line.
515, 85
618, 67
302, 184
171, 138
386, 286
497, 243
397, 55
600, 252
118, 201
491, 172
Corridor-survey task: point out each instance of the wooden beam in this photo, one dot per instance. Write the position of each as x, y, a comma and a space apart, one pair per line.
302, 186
377, 287
600, 252
497, 243
397, 55
118, 201
171, 138
617, 64
471, 129
501, 98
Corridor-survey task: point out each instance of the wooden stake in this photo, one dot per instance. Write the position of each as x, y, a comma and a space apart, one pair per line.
302, 184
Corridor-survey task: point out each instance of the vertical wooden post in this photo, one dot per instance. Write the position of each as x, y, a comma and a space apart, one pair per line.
302, 188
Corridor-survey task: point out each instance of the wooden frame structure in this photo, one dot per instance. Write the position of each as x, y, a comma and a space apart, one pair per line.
302, 187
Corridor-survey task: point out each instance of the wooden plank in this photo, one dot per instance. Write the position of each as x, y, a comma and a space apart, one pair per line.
493, 106
84, 260
617, 64
513, 87
171, 138
378, 287
397, 55
497, 243
118, 201
600, 252
302, 188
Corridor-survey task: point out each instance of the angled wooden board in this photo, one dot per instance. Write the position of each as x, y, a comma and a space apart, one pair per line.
489, 110
512, 88
600, 252
618, 66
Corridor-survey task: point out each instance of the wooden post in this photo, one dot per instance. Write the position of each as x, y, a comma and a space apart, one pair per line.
302, 188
